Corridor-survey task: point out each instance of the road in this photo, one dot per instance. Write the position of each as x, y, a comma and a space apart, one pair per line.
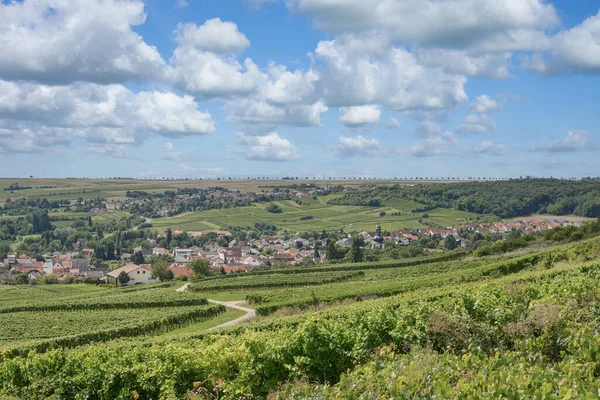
250, 313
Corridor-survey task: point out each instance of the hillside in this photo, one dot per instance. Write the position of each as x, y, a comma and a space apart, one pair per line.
528, 320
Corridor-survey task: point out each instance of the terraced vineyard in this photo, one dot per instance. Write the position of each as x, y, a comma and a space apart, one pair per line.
508, 327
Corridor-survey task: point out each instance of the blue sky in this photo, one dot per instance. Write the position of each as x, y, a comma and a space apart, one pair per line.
317, 88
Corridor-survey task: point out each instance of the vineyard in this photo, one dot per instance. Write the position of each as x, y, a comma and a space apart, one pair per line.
514, 327
45, 317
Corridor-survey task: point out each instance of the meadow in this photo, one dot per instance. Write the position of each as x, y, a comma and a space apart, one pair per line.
520, 326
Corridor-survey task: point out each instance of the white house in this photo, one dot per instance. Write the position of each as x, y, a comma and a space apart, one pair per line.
138, 274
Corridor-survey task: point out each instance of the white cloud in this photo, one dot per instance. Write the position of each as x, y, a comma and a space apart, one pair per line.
359, 116
495, 65
428, 128
574, 141
112, 106
213, 75
443, 23
359, 146
270, 147
63, 41
485, 104
258, 116
488, 147
393, 123
15, 139
444, 144
477, 123
181, 3
576, 50
358, 70
52, 116
170, 154
214, 35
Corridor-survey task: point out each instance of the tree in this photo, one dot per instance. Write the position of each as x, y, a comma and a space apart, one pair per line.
138, 258
22, 279
382, 214
90, 221
274, 208
169, 238
355, 254
450, 243
161, 272
331, 250
123, 278
316, 255
200, 267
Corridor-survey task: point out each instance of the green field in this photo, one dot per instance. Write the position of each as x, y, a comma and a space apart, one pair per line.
496, 327
325, 217
111, 188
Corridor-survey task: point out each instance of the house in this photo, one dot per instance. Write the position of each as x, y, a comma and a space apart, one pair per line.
138, 274
95, 275
180, 270
227, 253
159, 251
183, 253
344, 242
83, 264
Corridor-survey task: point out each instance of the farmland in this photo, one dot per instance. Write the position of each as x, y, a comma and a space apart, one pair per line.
44, 317
324, 217
495, 311
499, 313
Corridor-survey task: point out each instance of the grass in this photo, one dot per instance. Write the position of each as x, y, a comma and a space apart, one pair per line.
229, 315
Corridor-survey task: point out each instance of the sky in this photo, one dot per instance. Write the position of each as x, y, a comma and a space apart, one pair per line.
306, 88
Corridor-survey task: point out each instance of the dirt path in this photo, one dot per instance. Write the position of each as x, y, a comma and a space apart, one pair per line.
250, 313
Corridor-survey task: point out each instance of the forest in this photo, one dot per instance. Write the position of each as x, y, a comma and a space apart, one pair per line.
504, 199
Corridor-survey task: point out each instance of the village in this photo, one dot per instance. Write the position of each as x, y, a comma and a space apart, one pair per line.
80, 264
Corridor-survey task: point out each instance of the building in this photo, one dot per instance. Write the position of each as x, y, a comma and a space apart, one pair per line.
159, 251
180, 270
138, 274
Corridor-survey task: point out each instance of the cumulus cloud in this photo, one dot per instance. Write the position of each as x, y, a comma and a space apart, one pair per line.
52, 116
576, 50
63, 41
214, 35
181, 3
574, 141
359, 146
270, 147
170, 154
485, 104
432, 22
443, 144
476, 123
358, 70
488, 147
495, 65
111, 106
360, 116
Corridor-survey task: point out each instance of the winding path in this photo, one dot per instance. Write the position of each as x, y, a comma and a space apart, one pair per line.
250, 313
